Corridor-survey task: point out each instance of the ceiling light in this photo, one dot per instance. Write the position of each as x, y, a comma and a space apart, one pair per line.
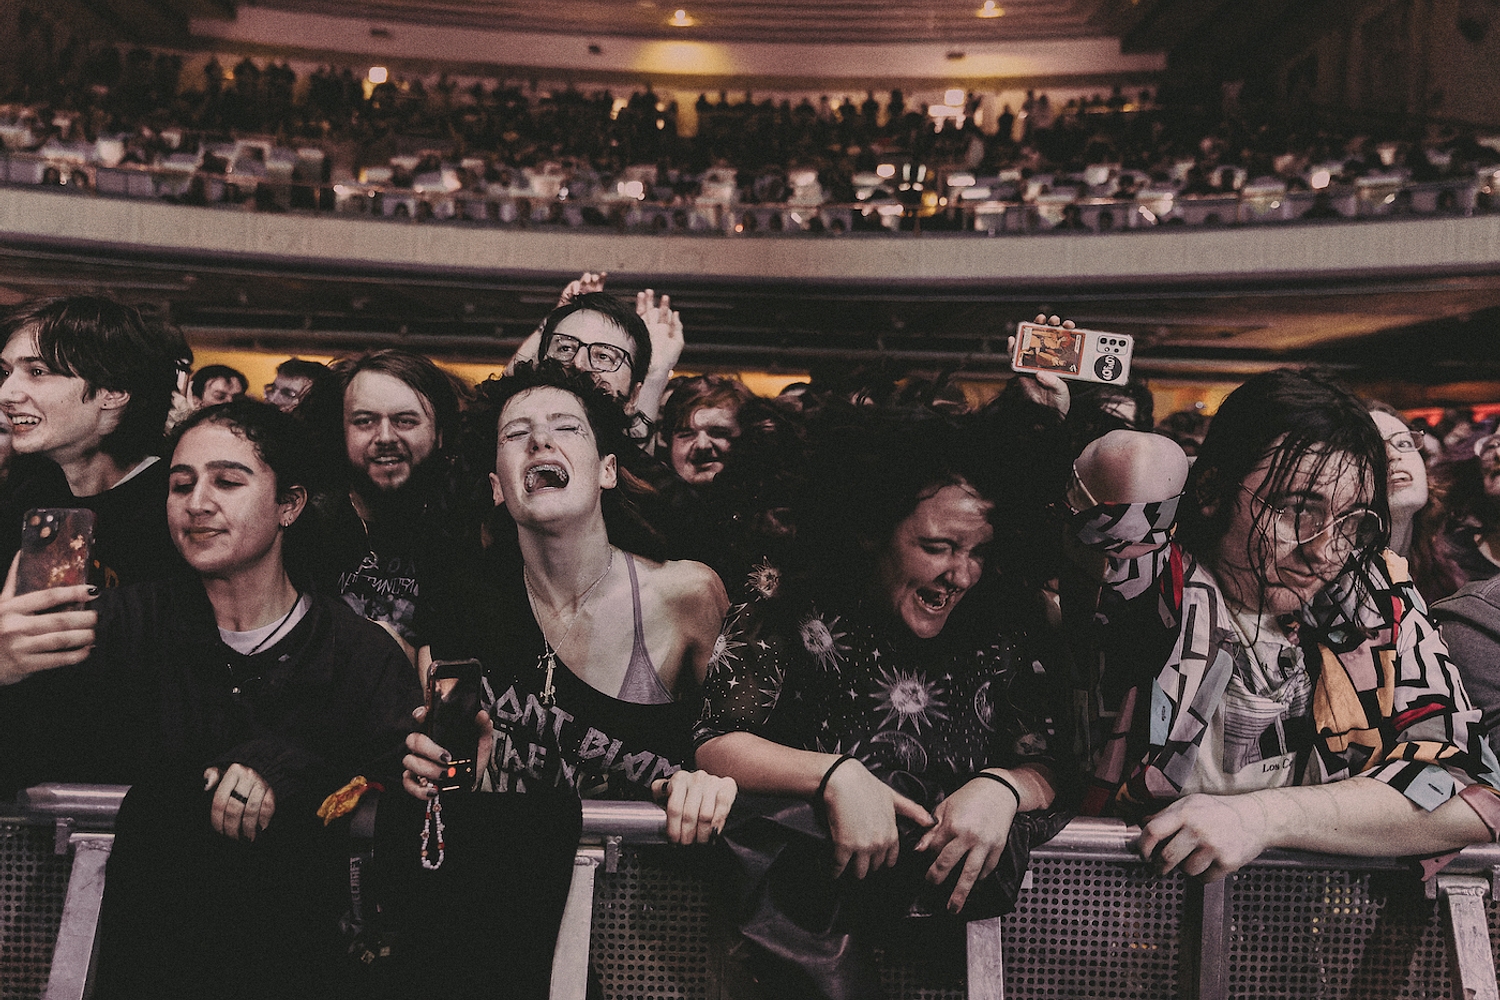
378, 75
680, 19
990, 10
954, 98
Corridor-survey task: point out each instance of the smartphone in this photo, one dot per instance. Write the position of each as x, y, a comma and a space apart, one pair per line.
452, 703
57, 549
1086, 355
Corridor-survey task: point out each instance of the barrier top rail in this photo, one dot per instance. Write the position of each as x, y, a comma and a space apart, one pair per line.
1091, 837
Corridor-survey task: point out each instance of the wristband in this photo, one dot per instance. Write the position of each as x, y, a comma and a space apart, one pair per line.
823, 785
1008, 786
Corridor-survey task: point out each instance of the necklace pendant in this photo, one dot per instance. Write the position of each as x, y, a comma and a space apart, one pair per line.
548, 663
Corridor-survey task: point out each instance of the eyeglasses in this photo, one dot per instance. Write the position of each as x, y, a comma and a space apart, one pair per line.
602, 357
1407, 440
274, 392
1355, 530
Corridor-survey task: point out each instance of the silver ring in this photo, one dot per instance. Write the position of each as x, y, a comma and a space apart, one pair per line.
238, 797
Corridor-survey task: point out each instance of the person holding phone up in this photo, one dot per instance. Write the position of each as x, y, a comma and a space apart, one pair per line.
234, 701
593, 662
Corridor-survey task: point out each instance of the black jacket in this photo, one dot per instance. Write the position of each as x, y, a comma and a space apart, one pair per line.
162, 693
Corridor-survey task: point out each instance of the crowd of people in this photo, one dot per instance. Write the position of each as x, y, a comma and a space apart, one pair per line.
501, 138
864, 644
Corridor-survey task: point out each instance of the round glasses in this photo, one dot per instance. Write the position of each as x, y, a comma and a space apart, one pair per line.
1407, 440
601, 357
1355, 530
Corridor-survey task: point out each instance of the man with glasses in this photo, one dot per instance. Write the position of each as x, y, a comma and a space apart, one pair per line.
294, 377
1270, 672
630, 352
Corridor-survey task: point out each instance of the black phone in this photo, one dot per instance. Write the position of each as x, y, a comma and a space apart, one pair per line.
57, 549
452, 703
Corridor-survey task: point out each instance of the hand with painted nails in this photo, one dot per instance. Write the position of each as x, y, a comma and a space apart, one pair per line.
973, 825
243, 802
43, 630
697, 804
426, 761
862, 813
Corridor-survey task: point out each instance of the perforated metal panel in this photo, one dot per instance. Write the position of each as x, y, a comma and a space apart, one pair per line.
651, 936
33, 882
1337, 934
1093, 929
913, 979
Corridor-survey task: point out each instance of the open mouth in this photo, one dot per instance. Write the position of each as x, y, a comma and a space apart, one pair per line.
1400, 479
545, 477
24, 420
934, 599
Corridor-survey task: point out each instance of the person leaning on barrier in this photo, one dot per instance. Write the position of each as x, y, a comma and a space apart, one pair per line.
233, 700
593, 662
1277, 679
888, 710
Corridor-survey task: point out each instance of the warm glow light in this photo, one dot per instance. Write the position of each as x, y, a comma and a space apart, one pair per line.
683, 57
954, 98
680, 19
378, 75
886, 170
1319, 179
990, 10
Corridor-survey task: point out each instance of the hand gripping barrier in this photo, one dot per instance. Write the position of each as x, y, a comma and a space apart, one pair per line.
1092, 920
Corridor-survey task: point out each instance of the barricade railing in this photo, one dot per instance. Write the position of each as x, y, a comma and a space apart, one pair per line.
1056, 213
1092, 918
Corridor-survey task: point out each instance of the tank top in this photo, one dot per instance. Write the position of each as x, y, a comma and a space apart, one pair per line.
600, 746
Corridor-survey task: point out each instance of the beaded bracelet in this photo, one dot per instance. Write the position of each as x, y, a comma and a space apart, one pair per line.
823, 785
1008, 786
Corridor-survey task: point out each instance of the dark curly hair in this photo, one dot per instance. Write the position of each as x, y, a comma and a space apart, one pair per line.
278, 440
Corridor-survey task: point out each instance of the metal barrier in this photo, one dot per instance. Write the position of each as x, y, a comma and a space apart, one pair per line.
1091, 921
1367, 197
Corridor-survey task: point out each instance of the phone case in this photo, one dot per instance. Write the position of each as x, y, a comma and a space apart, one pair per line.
1084, 355
57, 548
452, 703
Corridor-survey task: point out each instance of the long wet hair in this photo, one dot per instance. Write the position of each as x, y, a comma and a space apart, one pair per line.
1282, 417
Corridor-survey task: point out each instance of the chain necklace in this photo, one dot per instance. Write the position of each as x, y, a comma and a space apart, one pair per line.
279, 626
547, 662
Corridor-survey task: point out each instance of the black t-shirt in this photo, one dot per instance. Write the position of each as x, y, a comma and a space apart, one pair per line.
131, 540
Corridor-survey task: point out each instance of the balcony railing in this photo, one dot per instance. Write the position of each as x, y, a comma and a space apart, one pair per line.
1053, 213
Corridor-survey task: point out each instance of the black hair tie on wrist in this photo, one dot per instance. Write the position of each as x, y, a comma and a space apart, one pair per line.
1008, 786
823, 785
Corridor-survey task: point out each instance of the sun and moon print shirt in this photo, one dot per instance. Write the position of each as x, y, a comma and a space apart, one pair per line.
923, 714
